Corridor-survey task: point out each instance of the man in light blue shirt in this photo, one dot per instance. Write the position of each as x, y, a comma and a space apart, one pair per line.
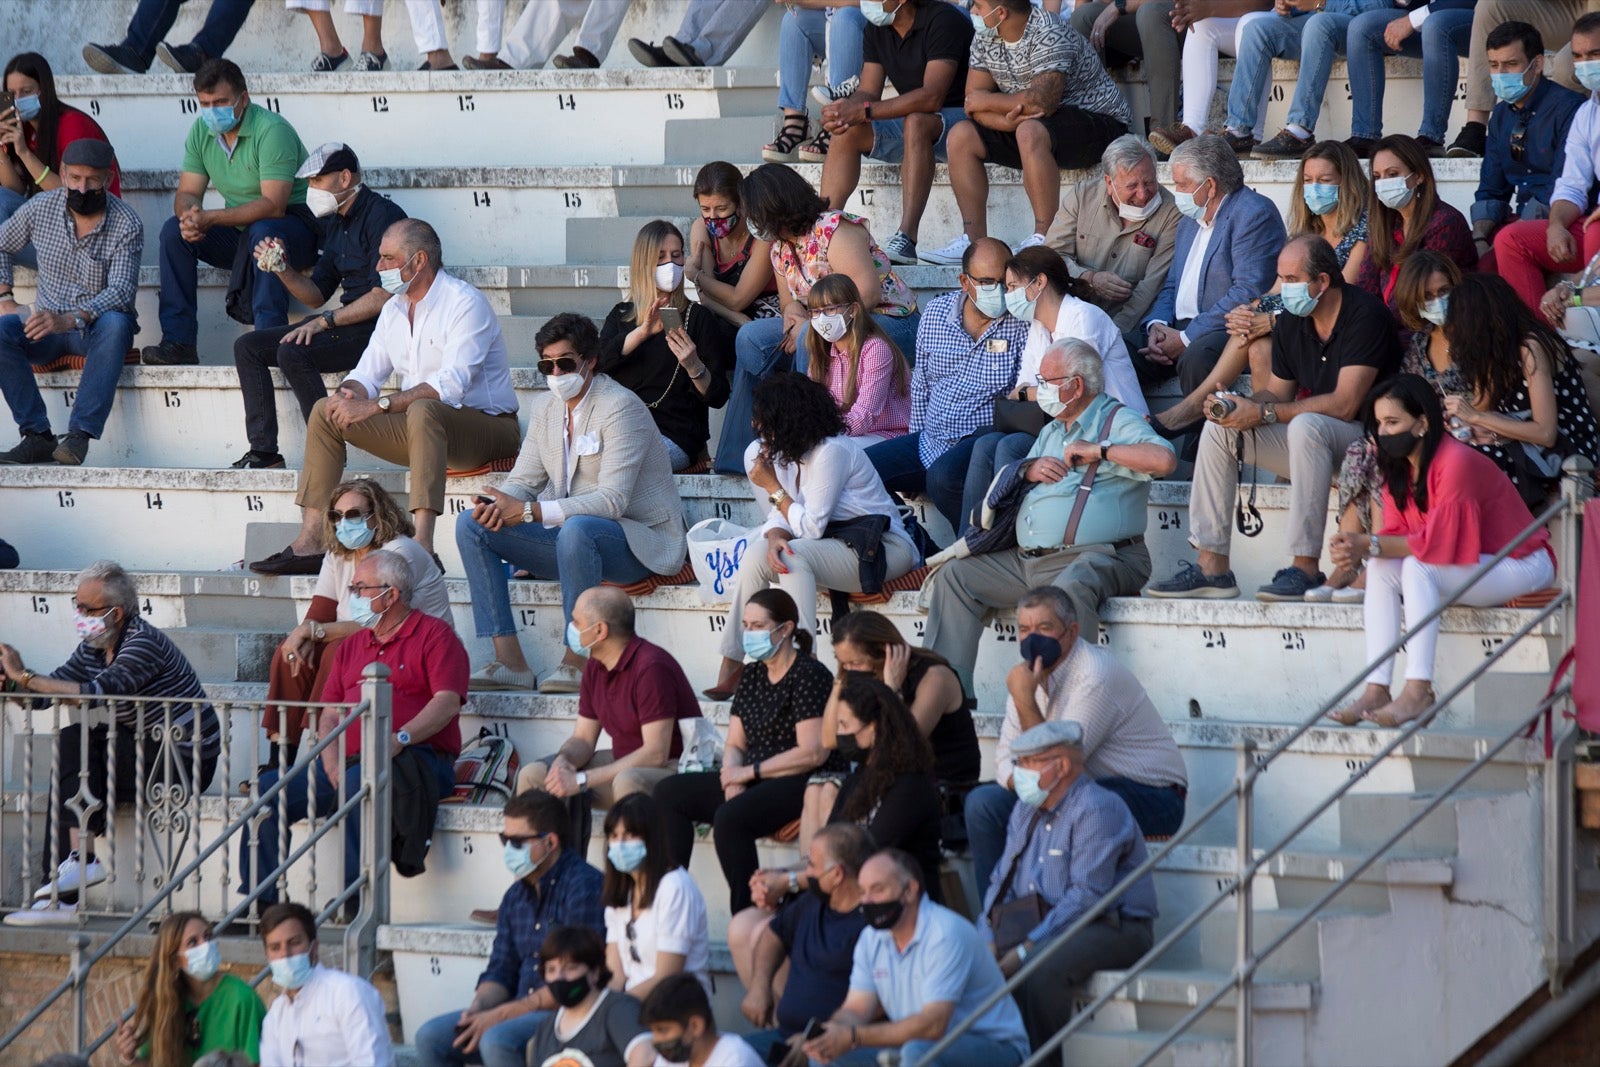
925, 969
1070, 841
1105, 555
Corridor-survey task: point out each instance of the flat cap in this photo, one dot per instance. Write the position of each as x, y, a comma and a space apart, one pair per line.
1048, 735
89, 152
327, 158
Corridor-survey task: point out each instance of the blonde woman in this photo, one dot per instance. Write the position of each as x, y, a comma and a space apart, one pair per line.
362, 517
671, 352
862, 367
187, 1007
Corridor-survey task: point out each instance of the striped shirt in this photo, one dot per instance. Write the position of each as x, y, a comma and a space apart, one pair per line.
145, 664
97, 273
956, 379
1047, 45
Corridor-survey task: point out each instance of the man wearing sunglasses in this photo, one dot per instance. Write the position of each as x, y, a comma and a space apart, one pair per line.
1527, 137
553, 887
455, 408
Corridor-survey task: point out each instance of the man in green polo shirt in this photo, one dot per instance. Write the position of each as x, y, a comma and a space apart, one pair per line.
250, 156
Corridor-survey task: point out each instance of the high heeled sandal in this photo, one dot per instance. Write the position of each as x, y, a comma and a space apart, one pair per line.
784, 147
816, 149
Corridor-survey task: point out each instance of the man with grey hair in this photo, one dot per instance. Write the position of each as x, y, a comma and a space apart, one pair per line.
455, 407
1329, 348
1223, 257
428, 672
1116, 231
1080, 524
120, 654
1126, 745
1069, 843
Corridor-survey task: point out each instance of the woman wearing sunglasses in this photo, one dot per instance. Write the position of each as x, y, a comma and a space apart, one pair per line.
655, 914
361, 518
859, 363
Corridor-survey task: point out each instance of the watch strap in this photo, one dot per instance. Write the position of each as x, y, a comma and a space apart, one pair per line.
527, 511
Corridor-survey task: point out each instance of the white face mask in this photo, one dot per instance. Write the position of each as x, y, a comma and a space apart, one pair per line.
566, 386
830, 327
1048, 397
322, 203
669, 276
1133, 213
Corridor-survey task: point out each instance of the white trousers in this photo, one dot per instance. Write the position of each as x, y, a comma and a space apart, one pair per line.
427, 19
544, 24
1424, 586
1205, 41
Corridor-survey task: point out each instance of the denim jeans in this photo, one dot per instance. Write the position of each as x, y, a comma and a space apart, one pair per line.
180, 266
987, 811
9, 203
582, 552
105, 344
1442, 41
716, 28
900, 466
505, 1045
153, 18
1313, 39
989, 452
968, 1050
810, 33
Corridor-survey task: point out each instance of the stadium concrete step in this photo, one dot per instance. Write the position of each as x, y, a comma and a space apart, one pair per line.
227, 653
1119, 1048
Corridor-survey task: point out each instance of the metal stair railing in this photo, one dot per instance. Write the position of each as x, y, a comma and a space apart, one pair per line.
370, 802
1577, 487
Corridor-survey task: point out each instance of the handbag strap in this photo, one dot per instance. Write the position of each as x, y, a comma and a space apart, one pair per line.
1016, 861
1070, 536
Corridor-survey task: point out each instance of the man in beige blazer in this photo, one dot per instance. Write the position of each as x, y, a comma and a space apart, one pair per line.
591, 499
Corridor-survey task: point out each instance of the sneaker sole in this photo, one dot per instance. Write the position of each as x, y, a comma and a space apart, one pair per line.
558, 687
1280, 598
1163, 144
1349, 596
164, 54
481, 685
1209, 592
938, 260
904, 261
43, 892
1463, 153
1275, 157
103, 63
67, 459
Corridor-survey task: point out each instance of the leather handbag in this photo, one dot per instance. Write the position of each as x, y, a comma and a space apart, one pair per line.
1011, 920
1019, 416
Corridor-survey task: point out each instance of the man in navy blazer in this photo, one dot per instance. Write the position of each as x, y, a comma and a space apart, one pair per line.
1226, 255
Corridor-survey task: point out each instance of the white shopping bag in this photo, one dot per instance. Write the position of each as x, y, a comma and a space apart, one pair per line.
715, 548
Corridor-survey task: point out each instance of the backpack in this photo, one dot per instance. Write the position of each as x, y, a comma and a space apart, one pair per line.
486, 770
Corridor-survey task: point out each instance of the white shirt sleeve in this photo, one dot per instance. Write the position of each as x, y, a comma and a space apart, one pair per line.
469, 330
822, 480
376, 365
552, 514
1003, 763
1578, 173
1419, 16
367, 1035
680, 913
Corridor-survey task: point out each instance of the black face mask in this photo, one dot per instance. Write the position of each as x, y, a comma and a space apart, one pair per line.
676, 1050
568, 991
883, 915
1397, 445
848, 747
86, 201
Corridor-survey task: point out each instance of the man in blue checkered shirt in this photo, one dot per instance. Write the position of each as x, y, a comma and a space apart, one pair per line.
967, 354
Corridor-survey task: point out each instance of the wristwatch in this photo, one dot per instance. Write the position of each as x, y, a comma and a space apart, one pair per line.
1269, 413
384, 403
319, 632
404, 737
1105, 447
527, 511
794, 884
582, 779
777, 497
327, 318
1373, 547
77, 321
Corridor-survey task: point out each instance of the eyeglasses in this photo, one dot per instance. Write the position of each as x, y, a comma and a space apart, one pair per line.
633, 944
983, 283
830, 309
1042, 380
354, 515
518, 840
564, 364
1519, 140
85, 609
360, 588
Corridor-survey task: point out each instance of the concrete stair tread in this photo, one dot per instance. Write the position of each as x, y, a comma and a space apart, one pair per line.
341, 83
1186, 987
1119, 1048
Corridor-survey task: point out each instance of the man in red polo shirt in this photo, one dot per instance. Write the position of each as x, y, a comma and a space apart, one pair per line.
634, 691
428, 671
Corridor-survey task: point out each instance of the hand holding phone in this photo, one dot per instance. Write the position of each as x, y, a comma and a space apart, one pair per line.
671, 318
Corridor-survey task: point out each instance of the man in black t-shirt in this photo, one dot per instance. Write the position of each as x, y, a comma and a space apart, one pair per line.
920, 47
1329, 348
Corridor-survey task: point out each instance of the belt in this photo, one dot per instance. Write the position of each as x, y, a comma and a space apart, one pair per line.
1116, 546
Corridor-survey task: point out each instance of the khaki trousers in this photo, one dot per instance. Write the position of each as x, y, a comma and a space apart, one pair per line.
428, 437
631, 781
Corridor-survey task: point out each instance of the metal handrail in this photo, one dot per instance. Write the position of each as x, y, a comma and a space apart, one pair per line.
375, 706
1250, 768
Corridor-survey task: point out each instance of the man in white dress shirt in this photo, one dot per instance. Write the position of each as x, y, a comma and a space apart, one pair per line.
455, 408
325, 1017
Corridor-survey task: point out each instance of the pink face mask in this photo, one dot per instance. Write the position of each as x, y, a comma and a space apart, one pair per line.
90, 627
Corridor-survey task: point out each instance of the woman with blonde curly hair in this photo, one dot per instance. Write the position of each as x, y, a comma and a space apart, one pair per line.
186, 1007
362, 517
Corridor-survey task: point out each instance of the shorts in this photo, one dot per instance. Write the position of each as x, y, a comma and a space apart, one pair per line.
1077, 138
889, 136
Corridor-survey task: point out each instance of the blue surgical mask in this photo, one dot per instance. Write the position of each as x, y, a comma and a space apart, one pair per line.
758, 645
575, 640
1048, 397
1436, 309
873, 12
757, 232
1019, 305
1320, 198
1027, 787
1588, 74
1186, 204
990, 300
219, 119
28, 107
982, 28
519, 860
361, 612
353, 533
1297, 298
392, 283
202, 961
1393, 192
1509, 87
291, 972
626, 855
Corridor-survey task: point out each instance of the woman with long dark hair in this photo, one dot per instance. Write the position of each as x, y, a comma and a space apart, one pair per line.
731, 270
186, 1008
1407, 214
1447, 509
655, 914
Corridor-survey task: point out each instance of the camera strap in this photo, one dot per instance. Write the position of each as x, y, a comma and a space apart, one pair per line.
1246, 516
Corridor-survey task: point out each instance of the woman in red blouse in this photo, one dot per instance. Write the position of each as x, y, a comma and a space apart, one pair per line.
35, 131
1447, 508
1406, 213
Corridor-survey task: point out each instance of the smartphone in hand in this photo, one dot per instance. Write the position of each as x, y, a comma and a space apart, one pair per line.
671, 319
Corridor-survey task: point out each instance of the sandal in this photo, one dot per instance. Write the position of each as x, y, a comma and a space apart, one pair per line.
783, 148
1389, 721
816, 149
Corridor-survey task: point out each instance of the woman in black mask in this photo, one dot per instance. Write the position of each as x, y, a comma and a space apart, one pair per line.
590, 1019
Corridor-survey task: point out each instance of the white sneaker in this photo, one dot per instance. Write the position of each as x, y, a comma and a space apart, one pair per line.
1349, 595
1321, 594
72, 876
42, 914
1030, 241
561, 679
496, 675
951, 253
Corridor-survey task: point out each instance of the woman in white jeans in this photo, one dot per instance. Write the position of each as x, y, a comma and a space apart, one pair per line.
812, 477
1205, 40
1447, 509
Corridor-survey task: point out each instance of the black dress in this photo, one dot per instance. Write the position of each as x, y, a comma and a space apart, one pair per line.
654, 373
956, 756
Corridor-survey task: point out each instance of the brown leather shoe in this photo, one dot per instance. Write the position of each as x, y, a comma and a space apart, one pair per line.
1166, 138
